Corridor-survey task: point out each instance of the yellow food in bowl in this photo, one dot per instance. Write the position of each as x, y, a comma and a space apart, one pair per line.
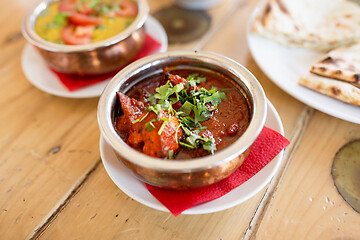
76, 22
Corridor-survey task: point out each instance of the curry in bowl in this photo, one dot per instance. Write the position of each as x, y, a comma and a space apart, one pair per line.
182, 114
78, 22
199, 109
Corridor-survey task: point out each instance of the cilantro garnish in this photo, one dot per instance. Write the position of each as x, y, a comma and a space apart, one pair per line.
197, 105
106, 7
215, 98
166, 90
163, 125
140, 119
115, 7
93, 4
193, 141
79, 4
195, 78
101, 27
60, 19
186, 108
171, 154
197, 102
149, 125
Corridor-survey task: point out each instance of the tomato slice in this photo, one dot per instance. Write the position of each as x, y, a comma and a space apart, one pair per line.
70, 6
85, 9
84, 20
67, 5
77, 35
128, 9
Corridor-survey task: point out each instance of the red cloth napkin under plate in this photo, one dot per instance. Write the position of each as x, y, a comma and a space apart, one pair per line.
73, 82
265, 148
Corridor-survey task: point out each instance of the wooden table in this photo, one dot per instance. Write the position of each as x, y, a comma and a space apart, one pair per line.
53, 184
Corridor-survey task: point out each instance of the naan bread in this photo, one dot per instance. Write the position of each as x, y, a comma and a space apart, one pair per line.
341, 63
337, 89
315, 24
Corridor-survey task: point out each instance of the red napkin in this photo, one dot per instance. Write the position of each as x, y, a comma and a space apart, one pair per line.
265, 148
73, 82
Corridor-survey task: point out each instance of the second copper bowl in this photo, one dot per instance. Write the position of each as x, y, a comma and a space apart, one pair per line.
90, 59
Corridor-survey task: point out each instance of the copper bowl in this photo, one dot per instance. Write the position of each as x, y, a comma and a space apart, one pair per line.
89, 59
191, 173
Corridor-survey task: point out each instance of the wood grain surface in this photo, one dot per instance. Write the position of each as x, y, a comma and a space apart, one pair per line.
54, 186
307, 204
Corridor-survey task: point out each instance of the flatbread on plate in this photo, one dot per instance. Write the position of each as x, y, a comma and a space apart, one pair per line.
315, 24
341, 63
342, 91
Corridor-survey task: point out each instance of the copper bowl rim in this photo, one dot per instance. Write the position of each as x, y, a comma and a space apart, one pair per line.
32, 37
254, 92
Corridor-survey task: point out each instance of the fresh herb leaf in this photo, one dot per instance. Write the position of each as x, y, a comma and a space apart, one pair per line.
176, 134
140, 119
187, 145
60, 19
155, 108
201, 112
188, 122
149, 128
101, 27
171, 154
115, 7
166, 120
191, 83
192, 76
213, 89
165, 104
151, 99
79, 4
209, 146
93, 4
164, 91
186, 108
215, 98
194, 141
196, 78
191, 140
178, 87
105, 8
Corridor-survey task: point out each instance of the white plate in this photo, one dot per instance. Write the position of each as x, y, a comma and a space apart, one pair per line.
40, 76
285, 65
137, 190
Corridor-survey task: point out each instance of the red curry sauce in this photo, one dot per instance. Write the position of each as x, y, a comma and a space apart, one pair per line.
224, 126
